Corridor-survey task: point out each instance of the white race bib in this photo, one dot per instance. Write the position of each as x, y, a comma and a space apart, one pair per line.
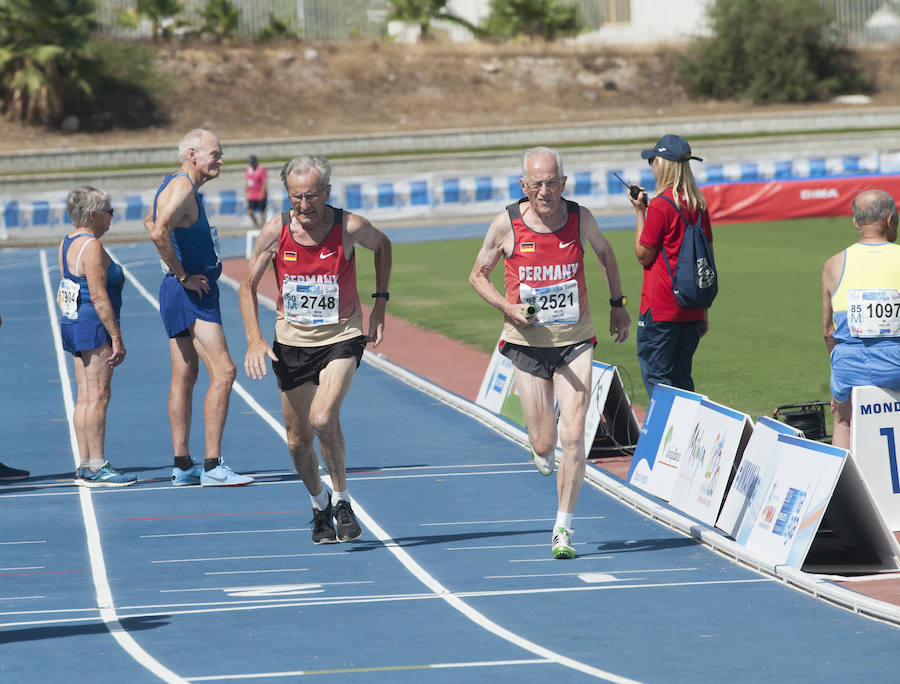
310, 303
214, 234
873, 313
67, 298
554, 303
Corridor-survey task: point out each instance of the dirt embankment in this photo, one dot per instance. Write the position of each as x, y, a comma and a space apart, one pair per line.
297, 90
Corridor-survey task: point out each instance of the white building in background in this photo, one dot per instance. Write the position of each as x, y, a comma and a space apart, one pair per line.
621, 22
614, 22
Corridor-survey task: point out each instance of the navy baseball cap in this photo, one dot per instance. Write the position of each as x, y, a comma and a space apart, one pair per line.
671, 147
253, 159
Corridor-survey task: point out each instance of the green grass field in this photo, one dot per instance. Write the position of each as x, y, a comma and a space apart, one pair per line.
764, 346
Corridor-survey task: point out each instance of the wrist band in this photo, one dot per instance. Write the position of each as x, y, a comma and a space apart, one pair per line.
384, 295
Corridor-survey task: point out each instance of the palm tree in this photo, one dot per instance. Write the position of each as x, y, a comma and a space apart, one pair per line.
156, 11
221, 19
47, 57
423, 12
547, 19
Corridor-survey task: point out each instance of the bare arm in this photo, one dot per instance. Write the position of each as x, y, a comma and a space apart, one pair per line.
361, 232
257, 347
830, 275
96, 261
497, 242
174, 209
619, 320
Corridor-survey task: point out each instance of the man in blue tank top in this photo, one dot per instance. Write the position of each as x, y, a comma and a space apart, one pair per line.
861, 308
189, 305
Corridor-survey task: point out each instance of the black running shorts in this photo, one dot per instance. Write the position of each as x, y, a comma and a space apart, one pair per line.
543, 362
299, 365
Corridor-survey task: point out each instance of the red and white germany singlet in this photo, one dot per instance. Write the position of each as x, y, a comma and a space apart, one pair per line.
318, 301
547, 270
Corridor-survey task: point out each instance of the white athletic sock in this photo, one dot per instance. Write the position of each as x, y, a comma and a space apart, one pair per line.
320, 502
339, 496
95, 463
564, 520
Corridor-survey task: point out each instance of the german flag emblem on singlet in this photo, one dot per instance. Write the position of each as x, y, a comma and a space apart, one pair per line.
290, 256
526, 247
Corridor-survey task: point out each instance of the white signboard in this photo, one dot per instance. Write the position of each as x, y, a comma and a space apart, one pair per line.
755, 472
875, 430
496, 383
717, 438
794, 501
664, 440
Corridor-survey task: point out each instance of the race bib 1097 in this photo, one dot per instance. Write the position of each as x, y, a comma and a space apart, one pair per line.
873, 313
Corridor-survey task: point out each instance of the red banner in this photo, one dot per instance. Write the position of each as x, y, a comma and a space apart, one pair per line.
776, 200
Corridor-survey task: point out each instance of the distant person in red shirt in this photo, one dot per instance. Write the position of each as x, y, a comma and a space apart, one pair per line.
257, 194
668, 334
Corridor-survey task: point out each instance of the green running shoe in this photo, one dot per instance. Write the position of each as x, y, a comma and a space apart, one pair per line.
562, 543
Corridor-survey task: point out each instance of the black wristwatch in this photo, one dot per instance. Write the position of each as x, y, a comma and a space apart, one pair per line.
384, 295
620, 302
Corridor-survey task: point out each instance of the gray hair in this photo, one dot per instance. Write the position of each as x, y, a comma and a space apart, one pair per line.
541, 150
873, 206
193, 139
81, 201
304, 163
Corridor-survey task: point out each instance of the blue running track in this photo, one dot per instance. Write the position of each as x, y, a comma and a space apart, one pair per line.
452, 580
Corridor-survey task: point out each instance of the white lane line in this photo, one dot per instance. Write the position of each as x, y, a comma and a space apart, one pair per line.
22, 598
270, 588
254, 572
266, 604
37, 541
581, 559
504, 522
454, 601
216, 559
211, 534
92, 531
380, 668
575, 574
24, 567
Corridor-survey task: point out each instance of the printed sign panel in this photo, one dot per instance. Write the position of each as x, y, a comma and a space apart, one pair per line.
664, 440
875, 429
794, 502
753, 476
718, 436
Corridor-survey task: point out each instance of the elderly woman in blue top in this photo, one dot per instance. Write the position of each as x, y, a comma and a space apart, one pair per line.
89, 298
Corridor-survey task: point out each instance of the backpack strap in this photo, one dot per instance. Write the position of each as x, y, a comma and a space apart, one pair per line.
665, 257
686, 222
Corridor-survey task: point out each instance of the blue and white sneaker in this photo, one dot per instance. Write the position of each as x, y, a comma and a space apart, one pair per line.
106, 476
185, 478
223, 476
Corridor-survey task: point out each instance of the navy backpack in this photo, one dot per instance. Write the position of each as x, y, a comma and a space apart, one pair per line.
695, 282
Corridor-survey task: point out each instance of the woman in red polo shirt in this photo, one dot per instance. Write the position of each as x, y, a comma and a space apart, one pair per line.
668, 334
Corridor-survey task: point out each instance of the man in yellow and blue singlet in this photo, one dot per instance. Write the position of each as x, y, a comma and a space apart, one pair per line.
861, 308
